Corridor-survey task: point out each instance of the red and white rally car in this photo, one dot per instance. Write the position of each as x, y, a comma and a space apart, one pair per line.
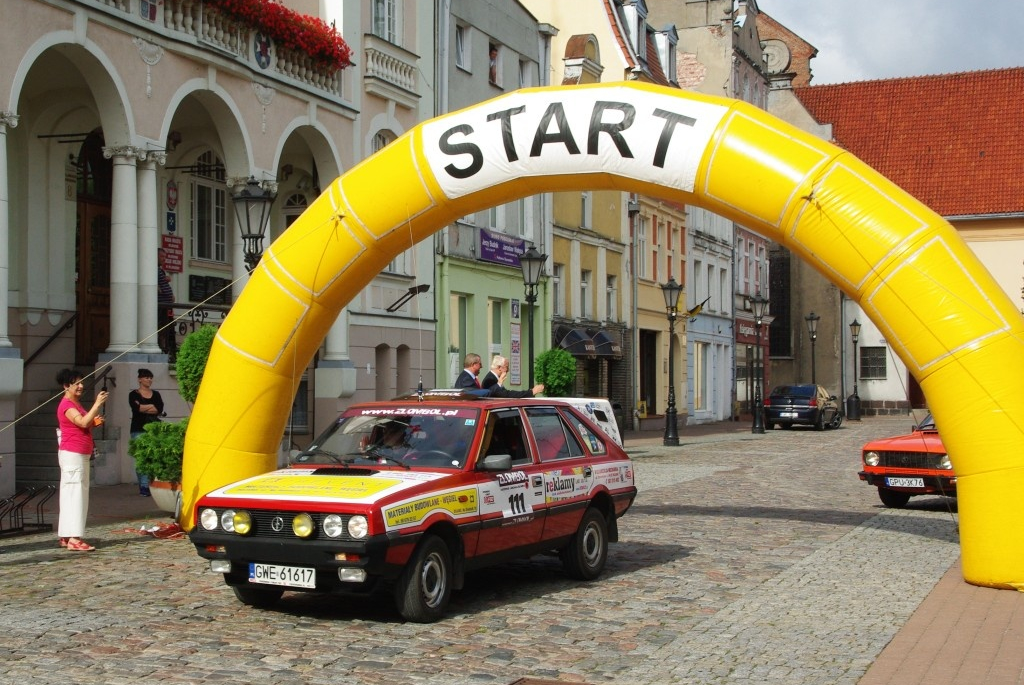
416, 491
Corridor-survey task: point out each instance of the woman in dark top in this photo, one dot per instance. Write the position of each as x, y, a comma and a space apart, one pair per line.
147, 406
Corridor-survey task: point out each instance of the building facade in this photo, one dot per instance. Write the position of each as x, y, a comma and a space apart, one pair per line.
129, 127
607, 306
488, 48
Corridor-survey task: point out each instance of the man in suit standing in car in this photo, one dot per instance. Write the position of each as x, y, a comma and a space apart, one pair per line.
471, 367
491, 378
494, 381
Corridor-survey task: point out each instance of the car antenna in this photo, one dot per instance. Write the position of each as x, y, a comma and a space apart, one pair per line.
419, 389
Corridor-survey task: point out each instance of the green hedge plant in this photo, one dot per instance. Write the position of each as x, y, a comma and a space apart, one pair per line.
556, 369
159, 451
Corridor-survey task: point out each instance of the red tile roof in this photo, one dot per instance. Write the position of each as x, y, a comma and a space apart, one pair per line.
954, 141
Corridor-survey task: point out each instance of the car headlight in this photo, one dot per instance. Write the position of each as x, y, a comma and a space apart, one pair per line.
333, 525
302, 525
945, 463
208, 519
227, 520
358, 527
242, 522
871, 458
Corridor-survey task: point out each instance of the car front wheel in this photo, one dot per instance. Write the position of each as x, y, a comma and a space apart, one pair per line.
425, 586
585, 555
894, 499
261, 598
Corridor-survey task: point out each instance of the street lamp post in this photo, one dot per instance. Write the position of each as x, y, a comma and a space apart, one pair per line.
853, 401
760, 306
812, 328
532, 263
252, 205
671, 291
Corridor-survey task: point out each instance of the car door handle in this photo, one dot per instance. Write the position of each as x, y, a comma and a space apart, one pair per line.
587, 471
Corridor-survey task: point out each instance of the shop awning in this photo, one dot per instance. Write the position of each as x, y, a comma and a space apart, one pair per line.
575, 341
606, 346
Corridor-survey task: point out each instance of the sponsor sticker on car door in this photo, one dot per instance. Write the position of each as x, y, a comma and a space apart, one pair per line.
513, 493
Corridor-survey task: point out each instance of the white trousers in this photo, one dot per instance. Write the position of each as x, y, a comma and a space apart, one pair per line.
74, 493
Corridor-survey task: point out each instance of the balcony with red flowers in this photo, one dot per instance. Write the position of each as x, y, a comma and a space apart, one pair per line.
263, 34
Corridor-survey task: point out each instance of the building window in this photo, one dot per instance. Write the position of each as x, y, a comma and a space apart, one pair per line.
515, 217
381, 139
584, 287
298, 421
641, 39
294, 206
713, 304
385, 20
494, 64
610, 308
209, 205
700, 375
586, 209
641, 246
723, 285
147, 10
495, 310
557, 294
457, 326
872, 363
525, 75
462, 47
779, 333
698, 292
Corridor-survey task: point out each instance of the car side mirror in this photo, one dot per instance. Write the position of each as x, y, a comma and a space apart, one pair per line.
496, 462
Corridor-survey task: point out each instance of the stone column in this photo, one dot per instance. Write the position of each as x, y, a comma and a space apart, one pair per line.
335, 374
149, 242
7, 120
124, 249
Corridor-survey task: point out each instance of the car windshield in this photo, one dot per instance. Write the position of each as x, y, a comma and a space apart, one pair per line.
407, 437
927, 424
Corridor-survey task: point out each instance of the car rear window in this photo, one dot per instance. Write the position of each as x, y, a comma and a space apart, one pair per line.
795, 390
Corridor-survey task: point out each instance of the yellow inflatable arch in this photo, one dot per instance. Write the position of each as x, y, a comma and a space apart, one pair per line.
957, 331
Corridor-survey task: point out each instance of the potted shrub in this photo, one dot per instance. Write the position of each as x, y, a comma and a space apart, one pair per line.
556, 369
159, 451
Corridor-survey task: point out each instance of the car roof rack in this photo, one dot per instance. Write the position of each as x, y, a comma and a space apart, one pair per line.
444, 395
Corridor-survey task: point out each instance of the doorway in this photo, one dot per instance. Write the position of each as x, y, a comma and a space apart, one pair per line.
92, 247
648, 358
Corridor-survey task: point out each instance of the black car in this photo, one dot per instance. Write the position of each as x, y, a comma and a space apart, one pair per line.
805, 404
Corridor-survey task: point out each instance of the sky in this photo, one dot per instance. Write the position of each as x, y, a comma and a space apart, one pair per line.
859, 40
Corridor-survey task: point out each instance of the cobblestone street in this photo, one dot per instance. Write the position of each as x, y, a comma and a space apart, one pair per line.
746, 559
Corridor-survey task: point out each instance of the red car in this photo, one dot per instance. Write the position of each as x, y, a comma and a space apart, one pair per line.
908, 465
412, 493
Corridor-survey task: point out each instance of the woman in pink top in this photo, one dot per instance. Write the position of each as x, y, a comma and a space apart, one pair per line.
75, 450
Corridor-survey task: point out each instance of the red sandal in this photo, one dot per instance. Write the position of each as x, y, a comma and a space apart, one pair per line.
63, 542
79, 546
